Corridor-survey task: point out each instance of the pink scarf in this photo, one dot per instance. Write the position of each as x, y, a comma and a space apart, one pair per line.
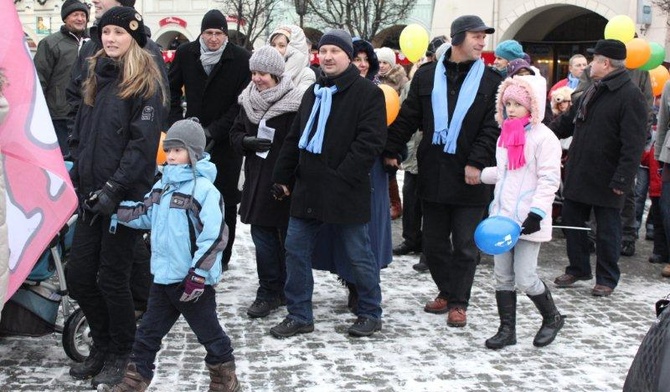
513, 137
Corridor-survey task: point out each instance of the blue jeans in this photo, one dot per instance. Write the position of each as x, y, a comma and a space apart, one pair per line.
270, 261
163, 311
608, 241
300, 243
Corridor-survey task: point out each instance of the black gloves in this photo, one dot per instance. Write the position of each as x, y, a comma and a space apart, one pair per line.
531, 224
105, 200
256, 143
277, 192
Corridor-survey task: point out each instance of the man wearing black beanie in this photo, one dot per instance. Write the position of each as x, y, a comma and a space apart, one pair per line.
214, 72
55, 56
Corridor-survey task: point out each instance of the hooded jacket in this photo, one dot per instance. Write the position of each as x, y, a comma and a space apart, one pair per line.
4, 243
184, 212
297, 58
533, 186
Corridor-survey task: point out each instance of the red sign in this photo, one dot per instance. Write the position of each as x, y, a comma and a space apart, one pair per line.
172, 20
488, 57
233, 19
168, 55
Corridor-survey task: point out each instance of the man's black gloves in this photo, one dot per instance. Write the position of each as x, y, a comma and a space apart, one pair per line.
105, 200
277, 191
256, 143
531, 224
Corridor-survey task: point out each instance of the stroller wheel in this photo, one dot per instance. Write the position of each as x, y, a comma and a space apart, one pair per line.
77, 336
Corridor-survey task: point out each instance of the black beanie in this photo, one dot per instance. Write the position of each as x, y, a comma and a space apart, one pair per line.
127, 3
214, 19
339, 38
71, 6
126, 18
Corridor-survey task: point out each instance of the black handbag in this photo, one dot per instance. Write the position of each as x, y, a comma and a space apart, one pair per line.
650, 370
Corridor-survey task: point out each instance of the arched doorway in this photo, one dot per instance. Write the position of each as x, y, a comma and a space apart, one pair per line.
552, 34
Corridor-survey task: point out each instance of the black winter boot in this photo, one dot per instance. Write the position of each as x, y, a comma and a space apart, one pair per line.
113, 371
552, 321
91, 366
506, 335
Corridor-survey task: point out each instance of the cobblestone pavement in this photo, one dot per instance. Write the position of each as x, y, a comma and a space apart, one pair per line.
416, 351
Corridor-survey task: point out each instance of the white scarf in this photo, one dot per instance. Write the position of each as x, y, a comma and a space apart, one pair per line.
210, 58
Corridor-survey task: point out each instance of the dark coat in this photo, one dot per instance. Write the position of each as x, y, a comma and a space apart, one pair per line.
213, 100
442, 175
79, 71
258, 207
607, 145
334, 186
116, 139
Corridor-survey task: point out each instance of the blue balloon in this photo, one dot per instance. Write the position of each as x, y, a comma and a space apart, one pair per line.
497, 234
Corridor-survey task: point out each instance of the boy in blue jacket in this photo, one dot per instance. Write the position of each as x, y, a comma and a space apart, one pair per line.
185, 214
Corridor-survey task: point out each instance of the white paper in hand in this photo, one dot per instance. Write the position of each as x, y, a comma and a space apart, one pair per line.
265, 132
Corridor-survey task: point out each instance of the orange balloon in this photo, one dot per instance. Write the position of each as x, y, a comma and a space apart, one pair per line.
160, 154
638, 53
392, 103
659, 76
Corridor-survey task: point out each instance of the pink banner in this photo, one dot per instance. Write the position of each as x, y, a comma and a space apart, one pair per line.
40, 196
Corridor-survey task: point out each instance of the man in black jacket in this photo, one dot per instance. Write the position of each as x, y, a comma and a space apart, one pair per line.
453, 101
608, 124
213, 71
55, 56
325, 165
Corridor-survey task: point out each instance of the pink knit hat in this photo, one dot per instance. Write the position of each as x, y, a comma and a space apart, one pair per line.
518, 94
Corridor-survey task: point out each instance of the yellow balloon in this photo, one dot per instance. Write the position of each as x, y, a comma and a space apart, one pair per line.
620, 27
414, 42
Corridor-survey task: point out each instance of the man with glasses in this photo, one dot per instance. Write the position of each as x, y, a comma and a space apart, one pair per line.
213, 71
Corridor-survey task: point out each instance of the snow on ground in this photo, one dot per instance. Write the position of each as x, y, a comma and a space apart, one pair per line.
415, 351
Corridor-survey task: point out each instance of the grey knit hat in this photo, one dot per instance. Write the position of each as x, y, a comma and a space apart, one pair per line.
267, 59
70, 6
187, 134
339, 38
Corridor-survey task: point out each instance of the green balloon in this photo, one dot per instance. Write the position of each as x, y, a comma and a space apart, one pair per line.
656, 58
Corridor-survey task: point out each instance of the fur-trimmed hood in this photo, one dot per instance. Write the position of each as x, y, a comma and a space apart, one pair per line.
396, 78
536, 86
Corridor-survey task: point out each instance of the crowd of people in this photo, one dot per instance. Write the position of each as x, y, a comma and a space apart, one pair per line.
320, 165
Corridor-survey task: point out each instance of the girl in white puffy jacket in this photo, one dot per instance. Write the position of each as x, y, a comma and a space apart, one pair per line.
527, 176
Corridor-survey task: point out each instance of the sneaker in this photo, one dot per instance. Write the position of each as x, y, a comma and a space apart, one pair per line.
436, 306
261, 308
91, 366
567, 280
113, 371
457, 317
290, 327
365, 326
666, 271
627, 248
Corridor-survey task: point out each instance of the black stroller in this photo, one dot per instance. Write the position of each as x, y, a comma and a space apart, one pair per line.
34, 309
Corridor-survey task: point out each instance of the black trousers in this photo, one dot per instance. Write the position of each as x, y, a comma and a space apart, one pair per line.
450, 250
230, 218
98, 276
411, 213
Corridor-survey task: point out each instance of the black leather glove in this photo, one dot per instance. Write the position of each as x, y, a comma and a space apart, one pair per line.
256, 143
105, 200
531, 224
277, 191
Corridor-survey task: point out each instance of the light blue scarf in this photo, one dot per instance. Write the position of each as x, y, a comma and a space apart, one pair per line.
322, 103
446, 132
572, 81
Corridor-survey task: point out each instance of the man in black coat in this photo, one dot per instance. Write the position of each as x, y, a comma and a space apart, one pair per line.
453, 101
325, 165
608, 124
213, 71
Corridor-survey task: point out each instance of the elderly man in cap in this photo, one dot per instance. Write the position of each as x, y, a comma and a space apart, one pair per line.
608, 124
55, 56
453, 101
213, 71
325, 165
